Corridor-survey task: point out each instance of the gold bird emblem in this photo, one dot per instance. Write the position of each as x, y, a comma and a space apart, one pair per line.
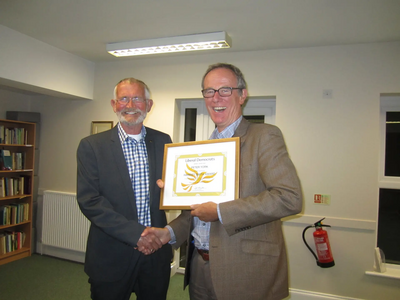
196, 178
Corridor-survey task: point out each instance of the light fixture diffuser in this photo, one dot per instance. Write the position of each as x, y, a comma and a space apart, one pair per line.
194, 42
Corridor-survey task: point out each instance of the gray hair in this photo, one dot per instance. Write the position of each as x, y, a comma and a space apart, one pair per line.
134, 80
241, 82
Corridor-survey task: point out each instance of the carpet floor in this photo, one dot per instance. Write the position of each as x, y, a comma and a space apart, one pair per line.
47, 278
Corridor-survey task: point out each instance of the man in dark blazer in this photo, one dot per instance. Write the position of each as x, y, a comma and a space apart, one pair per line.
117, 192
236, 249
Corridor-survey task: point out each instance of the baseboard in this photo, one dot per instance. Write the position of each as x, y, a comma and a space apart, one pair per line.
67, 254
296, 294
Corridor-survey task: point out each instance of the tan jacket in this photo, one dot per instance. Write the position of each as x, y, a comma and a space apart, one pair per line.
247, 252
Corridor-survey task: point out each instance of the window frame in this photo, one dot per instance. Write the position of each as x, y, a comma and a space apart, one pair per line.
387, 104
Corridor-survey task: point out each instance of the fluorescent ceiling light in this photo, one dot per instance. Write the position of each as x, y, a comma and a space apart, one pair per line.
204, 41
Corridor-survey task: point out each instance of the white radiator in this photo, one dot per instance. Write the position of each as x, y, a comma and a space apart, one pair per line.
64, 225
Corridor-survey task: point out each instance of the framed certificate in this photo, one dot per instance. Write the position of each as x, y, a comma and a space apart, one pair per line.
199, 172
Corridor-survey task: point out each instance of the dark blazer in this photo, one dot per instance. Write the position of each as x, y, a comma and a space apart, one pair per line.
247, 252
106, 198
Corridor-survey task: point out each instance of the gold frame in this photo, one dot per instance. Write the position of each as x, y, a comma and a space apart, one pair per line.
216, 178
100, 126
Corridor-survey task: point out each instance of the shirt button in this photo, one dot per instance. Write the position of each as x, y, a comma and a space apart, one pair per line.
204, 224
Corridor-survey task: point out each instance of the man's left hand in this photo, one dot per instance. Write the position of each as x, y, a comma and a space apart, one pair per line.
206, 212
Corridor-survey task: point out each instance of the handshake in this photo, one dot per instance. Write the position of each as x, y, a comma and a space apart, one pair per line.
152, 239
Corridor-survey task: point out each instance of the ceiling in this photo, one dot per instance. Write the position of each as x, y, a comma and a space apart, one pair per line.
83, 28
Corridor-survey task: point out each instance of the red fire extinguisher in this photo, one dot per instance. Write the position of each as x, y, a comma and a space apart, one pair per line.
324, 252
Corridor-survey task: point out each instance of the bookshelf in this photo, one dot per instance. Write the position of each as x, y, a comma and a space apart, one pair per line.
17, 158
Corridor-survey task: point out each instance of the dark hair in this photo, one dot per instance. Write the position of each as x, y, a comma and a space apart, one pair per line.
241, 82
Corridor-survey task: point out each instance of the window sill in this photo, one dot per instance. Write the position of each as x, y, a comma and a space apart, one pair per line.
392, 271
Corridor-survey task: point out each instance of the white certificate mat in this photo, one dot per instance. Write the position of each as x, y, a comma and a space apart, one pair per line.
199, 172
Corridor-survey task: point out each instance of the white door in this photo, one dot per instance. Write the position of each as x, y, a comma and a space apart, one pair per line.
257, 108
196, 125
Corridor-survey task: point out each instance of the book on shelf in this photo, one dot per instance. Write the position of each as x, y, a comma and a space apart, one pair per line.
26, 212
2, 215
16, 135
9, 186
5, 215
2, 243
2, 134
11, 241
6, 135
6, 159
2, 188
8, 242
13, 186
17, 213
14, 213
21, 185
18, 160
26, 181
12, 160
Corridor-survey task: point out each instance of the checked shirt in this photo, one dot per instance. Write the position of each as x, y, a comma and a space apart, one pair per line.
135, 152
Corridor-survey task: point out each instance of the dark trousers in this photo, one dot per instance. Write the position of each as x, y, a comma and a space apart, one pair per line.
148, 278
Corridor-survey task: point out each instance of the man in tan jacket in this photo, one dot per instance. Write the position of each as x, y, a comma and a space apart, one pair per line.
236, 249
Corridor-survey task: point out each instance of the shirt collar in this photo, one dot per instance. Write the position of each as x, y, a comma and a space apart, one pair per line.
228, 132
123, 136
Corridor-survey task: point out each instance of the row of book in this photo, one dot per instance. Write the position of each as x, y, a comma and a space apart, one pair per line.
12, 160
13, 186
13, 135
14, 213
11, 241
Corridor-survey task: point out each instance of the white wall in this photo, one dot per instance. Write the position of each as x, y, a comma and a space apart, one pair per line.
334, 143
29, 62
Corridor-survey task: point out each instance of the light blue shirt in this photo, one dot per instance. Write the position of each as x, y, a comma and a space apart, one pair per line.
201, 230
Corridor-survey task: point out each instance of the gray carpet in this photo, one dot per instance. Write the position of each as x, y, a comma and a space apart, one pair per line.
47, 278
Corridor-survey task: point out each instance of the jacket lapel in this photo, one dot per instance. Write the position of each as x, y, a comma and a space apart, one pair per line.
151, 155
241, 131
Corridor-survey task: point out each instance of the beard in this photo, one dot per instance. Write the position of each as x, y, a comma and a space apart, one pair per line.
139, 119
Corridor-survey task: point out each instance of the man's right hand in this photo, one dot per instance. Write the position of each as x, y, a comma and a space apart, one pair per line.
161, 233
152, 239
149, 243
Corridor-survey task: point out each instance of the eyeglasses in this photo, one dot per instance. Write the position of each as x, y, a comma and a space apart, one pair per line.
223, 92
126, 100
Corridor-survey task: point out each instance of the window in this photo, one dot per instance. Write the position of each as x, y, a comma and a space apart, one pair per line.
190, 124
388, 236
255, 119
389, 224
392, 144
